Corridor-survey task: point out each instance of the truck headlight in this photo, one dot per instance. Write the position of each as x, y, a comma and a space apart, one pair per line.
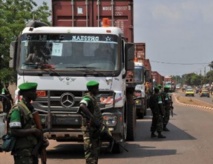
138, 102
110, 120
106, 100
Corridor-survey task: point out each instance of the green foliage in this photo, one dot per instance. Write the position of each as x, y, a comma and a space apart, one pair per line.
211, 65
14, 15
177, 79
194, 79
209, 76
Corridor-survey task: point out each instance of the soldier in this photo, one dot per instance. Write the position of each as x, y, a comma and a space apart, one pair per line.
167, 102
91, 133
160, 87
157, 114
21, 125
7, 100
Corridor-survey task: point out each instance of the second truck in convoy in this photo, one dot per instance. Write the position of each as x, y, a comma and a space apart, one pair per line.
140, 78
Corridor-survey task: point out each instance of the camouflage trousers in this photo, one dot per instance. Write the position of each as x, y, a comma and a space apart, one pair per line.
166, 116
25, 157
91, 147
157, 123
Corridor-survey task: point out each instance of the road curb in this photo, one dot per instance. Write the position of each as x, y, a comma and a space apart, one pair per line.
198, 106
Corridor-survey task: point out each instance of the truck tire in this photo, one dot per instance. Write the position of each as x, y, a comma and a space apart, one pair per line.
145, 110
130, 118
139, 114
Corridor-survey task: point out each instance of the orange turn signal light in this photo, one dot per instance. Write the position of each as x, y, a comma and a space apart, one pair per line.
105, 22
41, 93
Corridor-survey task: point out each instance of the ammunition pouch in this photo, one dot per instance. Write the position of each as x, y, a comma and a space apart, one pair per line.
8, 142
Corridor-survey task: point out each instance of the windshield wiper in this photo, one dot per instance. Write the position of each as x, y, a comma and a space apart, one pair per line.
85, 67
50, 71
91, 71
35, 65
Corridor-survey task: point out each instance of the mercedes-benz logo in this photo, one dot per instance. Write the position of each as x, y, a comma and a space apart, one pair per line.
67, 100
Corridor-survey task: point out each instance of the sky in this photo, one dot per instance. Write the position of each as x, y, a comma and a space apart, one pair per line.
178, 34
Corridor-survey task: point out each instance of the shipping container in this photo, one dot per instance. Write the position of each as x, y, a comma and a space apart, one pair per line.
140, 51
90, 13
148, 67
157, 78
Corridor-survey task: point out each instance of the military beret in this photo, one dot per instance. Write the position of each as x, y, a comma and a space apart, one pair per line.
166, 87
27, 86
92, 83
157, 87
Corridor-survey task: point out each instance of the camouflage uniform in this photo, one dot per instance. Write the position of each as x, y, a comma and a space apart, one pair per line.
167, 102
157, 113
90, 133
21, 117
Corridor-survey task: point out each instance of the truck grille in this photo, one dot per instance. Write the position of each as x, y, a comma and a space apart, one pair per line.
60, 101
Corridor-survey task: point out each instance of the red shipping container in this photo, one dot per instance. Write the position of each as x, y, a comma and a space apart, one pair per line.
140, 51
157, 77
89, 13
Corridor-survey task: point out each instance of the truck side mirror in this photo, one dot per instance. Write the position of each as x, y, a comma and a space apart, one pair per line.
145, 74
13, 56
129, 57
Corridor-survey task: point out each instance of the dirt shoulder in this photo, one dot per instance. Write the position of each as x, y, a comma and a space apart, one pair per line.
193, 101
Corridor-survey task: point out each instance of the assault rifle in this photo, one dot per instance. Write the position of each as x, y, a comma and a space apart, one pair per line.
40, 147
171, 106
171, 110
87, 114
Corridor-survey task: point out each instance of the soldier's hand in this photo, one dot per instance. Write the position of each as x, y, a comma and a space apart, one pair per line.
45, 142
37, 132
96, 123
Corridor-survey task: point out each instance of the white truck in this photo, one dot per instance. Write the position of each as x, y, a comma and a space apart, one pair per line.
139, 93
62, 71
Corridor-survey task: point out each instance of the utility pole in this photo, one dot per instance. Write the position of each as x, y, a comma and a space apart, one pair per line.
204, 71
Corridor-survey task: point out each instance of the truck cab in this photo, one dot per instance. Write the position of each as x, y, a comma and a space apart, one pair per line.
67, 58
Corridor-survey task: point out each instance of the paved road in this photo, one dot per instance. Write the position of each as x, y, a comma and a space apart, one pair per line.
189, 141
197, 96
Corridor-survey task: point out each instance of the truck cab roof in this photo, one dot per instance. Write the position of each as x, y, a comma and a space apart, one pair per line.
79, 30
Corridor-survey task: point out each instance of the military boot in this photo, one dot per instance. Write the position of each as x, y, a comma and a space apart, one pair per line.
160, 135
165, 129
153, 135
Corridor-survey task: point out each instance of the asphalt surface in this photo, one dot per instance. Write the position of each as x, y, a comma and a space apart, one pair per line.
189, 142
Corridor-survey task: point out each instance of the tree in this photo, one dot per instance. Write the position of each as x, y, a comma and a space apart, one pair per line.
177, 79
211, 65
14, 14
209, 77
196, 79
192, 79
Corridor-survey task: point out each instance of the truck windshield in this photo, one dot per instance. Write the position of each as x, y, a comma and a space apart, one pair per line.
69, 52
139, 74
